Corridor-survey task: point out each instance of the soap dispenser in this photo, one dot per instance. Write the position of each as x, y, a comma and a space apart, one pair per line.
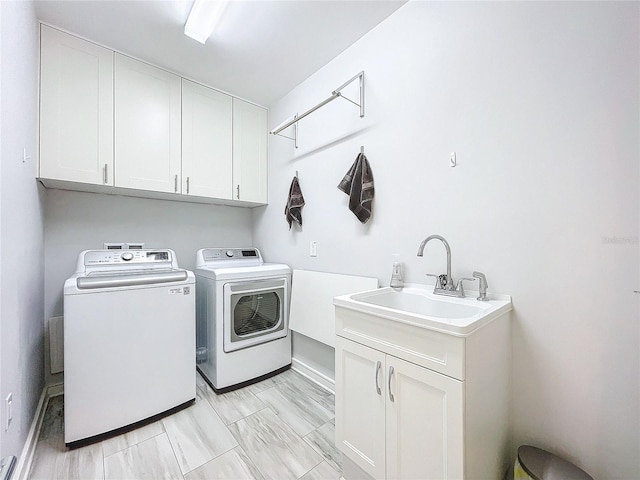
396, 275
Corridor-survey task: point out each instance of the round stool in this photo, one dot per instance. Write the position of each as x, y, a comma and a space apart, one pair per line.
536, 464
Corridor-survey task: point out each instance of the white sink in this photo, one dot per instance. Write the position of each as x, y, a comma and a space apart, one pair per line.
418, 305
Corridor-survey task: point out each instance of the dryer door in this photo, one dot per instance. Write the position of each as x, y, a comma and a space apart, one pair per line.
255, 311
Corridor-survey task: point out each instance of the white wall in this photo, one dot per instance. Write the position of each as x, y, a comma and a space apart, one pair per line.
76, 221
21, 264
540, 100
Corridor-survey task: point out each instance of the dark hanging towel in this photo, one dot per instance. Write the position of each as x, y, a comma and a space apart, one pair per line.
358, 184
295, 202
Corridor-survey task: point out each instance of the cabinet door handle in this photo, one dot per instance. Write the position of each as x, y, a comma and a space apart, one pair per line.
378, 366
175, 184
238, 191
391, 397
104, 174
187, 185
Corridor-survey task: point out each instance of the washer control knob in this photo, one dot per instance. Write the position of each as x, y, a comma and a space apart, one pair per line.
229, 253
127, 256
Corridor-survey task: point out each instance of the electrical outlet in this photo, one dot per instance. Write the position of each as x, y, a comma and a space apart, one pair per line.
8, 413
313, 249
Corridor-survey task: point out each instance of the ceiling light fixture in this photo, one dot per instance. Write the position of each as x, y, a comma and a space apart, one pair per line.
203, 18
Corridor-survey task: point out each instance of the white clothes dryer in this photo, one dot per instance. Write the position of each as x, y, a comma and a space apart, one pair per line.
129, 341
242, 317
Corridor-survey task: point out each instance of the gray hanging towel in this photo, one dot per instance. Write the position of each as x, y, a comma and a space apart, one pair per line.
295, 202
358, 184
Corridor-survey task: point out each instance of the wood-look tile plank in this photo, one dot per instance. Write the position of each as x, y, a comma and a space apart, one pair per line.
273, 446
197, 435
302, 413
323, 441
52, 463
324, 471
53, 460
269, 382
233, 465
151, 459
306, 388
234, 405
126, 440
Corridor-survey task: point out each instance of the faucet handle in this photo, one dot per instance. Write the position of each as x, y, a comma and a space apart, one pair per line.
460, 287
441, 280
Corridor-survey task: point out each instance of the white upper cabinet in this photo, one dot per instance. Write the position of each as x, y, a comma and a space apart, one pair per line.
113, 124
207, 154
249, 152
147, 127
76, 109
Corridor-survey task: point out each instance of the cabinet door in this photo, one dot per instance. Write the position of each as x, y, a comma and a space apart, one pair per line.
360, 405
249, 152
424, 417
206, 142
76, 109
147, 119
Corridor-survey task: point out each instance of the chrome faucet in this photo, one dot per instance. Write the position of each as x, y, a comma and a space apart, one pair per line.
449, 284
444, 286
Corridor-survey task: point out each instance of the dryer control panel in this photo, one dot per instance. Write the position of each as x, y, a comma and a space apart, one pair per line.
231, 254
229, 257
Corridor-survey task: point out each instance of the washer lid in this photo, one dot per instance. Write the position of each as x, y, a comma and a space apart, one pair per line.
542, 465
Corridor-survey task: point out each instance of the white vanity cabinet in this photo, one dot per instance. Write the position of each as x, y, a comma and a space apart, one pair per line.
147, 127
418, 403
76, 109
207, 155
249, 152
404, 421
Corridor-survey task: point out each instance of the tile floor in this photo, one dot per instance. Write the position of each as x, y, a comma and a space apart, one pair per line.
280, 428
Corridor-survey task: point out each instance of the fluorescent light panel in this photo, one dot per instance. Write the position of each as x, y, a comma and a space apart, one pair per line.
203, 18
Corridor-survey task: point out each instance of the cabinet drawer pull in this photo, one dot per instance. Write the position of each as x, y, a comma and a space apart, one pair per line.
104, 174
187, 185
391, 397
378, 366
238, 191
175, 184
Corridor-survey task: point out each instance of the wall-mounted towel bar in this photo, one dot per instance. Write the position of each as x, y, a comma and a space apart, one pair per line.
335, 94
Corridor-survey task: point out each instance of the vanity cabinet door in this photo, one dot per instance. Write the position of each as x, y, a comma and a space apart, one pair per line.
249, 152
148, 129
360, 405
424, 423
206, 142
76, 109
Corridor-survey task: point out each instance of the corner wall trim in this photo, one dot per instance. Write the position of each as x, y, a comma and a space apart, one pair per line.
315, 376
26, 457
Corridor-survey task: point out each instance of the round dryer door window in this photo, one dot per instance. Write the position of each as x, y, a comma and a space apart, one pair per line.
254, 313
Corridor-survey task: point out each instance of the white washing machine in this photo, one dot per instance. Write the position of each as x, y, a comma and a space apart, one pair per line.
129, 341
242, 317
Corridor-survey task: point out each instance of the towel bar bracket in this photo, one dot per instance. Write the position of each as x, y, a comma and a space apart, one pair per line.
295, 133
337, 93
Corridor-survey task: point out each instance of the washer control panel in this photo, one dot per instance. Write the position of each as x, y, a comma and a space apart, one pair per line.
94, 258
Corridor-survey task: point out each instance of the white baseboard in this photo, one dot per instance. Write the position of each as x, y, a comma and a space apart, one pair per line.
26, 457
315, 376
